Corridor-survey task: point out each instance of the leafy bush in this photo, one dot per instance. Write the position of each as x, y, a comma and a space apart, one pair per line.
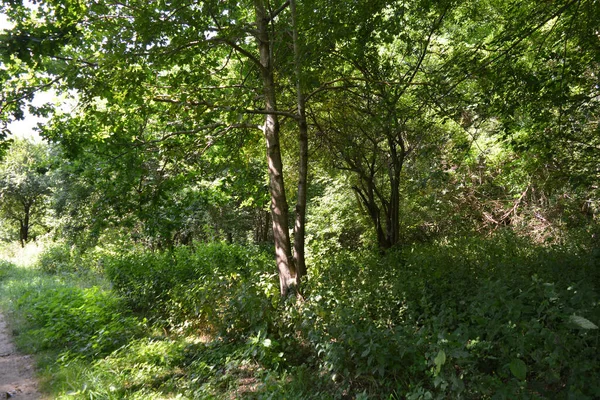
5, 268
462, 318
82, 322
335, 222
219, 288
56, 258
466, 318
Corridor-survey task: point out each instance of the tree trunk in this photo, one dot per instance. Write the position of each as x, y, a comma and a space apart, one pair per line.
22, 233
266, 225
397, 162
279, 205
24, 229
368, 198
262, 225
300, 223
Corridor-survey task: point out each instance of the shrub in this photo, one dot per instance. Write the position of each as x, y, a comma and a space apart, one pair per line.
5, 268
83, 322
56, 258
463, 318
220, 288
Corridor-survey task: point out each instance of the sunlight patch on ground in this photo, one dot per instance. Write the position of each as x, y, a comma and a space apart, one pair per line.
23, 256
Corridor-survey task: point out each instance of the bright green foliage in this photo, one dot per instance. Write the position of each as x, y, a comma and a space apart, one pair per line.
158, 368
82, 322
459, 138
335, 222
160, 198
57, 258
169, 101
25, 186
216, 288
5, 268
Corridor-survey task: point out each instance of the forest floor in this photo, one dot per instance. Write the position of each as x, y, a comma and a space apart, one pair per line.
17, 374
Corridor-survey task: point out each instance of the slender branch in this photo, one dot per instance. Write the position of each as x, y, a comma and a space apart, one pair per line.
28, 93
506, 51
85, 62
275, 13
161, 99
328, 85
238, 48
434, 28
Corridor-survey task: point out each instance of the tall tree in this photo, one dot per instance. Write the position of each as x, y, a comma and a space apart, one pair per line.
174, 74
279, 204
300, 223
381, 114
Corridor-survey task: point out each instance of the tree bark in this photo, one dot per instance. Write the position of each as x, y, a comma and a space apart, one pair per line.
21, 233
300, 223
267, 223
24, 225
367, 196
279, 204
396, 164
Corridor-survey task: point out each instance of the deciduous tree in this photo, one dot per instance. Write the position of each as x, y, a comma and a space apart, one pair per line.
24, 187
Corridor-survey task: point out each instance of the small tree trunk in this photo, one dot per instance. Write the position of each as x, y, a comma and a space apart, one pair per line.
266, 227
279, 205
396, 164
393, 223
300, 223
24, 229
22, 233
368, 199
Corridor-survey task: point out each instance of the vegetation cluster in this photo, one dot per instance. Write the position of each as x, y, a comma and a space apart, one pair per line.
304, 199
468, 318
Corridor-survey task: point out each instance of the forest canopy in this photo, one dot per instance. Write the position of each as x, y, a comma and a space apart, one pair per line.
428, 111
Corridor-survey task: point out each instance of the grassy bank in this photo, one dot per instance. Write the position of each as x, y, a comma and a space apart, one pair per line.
470, 318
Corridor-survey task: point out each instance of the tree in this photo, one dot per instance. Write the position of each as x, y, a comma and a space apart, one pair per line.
381, 115
165, 88
181, 75
25, 186
160, 197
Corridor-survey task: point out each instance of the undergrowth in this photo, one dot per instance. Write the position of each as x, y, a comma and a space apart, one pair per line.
468, 318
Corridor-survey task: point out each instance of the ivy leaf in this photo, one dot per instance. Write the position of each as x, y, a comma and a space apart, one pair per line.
518, 369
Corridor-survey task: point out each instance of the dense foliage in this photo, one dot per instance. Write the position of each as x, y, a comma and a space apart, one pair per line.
304, 199
468, 318
25, 186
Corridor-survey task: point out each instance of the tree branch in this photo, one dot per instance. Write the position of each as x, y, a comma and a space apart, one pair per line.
275, 13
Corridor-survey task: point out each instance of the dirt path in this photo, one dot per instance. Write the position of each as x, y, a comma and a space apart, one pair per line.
16, 370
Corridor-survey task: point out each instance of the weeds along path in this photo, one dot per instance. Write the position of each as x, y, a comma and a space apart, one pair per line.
16, 370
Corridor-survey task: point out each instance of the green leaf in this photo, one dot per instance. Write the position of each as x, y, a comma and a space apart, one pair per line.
582, 322
518, 369
439, 361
